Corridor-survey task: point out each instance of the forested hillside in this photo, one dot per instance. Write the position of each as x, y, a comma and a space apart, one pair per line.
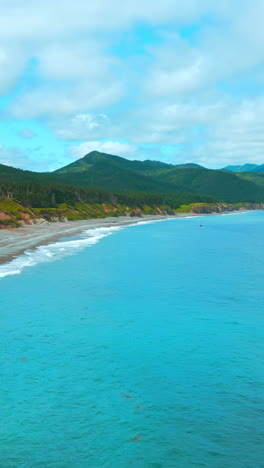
106, 172
100, 184
245, 168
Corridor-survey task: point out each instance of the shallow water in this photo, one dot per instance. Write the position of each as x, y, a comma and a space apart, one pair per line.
144, 350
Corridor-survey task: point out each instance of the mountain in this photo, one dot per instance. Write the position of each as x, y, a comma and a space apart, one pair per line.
9, 172
245, 168
259, 168
256, 177
105, 172
148, 167
100, 170
189, 165
222, 185
21, 175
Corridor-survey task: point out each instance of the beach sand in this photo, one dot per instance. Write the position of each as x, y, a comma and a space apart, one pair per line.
13, 242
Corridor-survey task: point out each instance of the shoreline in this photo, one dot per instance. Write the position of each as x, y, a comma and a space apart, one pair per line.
15, 242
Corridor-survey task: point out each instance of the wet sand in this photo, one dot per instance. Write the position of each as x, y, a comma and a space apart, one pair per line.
13, 242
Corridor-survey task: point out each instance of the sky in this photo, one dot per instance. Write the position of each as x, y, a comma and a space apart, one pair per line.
172, 81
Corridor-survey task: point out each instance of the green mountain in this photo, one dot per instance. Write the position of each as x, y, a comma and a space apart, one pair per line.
100, 170
8, 172
245, 168
255, 177
19, 175
222, 185
259, 168
95, 159
105, 172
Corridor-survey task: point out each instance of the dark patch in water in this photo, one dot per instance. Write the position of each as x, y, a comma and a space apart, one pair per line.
140, 408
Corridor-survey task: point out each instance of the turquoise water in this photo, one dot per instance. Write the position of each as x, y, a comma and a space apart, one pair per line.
169, 314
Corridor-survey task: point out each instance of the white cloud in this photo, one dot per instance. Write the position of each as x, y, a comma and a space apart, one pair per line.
235, 139
165, 120
12, 64
27, 133
52, 102
171, 91
82, 126
71, 42
64, 18
13, 157
167, 83
109, 147
158, 123
177, 68
79, 59
210, 132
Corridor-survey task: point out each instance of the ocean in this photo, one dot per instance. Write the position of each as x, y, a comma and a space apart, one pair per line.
136, 347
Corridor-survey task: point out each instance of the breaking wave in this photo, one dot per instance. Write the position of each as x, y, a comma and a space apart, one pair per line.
56, 250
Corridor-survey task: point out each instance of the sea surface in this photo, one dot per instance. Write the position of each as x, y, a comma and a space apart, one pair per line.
136, 347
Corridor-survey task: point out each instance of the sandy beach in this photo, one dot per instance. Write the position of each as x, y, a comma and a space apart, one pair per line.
13, 242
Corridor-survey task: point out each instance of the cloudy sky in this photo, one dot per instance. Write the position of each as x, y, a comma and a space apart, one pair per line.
175, 81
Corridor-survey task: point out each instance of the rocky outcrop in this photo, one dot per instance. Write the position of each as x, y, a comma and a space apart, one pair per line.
224, 208
13, 214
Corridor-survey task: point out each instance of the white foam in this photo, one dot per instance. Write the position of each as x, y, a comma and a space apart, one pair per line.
55, 251
150, 221
233, 213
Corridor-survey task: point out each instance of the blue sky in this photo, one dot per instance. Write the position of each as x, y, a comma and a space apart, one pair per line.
175, 82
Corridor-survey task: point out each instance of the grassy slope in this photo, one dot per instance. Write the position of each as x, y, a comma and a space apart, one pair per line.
13, 213
255, 177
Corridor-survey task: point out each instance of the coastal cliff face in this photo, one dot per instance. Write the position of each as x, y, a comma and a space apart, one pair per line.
224, 208
14, 215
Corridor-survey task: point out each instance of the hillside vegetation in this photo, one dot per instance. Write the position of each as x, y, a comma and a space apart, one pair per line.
245, 168
113, 173
110, 172
100, 184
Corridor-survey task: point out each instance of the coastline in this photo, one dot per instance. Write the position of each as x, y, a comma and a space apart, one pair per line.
14, 242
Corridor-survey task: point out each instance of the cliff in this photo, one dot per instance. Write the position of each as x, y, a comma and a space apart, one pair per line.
14, 214
224, 208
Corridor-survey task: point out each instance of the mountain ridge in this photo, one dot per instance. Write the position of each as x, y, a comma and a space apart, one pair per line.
245, 168
102, 171
100, 185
